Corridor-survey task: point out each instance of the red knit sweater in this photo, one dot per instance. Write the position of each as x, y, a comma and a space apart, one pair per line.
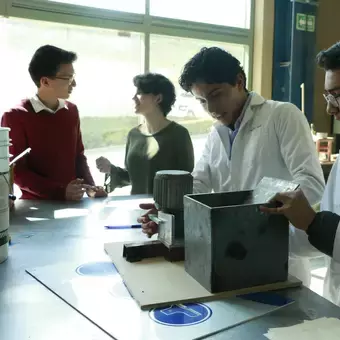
57, 155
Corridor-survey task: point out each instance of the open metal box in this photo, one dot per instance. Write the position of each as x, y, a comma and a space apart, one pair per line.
230, 244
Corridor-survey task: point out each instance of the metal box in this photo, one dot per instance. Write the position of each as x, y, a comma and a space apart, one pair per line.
230, 244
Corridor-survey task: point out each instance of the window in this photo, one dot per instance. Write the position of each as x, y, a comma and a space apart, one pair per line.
234, 13
132, 6
187, 110
107, 62
108, 58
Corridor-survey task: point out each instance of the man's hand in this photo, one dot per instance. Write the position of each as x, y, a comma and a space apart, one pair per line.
96, 192
148, 227
75, 190
103, 165
295, 207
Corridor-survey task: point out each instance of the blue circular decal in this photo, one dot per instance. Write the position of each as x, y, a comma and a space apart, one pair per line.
97, 269
181, 314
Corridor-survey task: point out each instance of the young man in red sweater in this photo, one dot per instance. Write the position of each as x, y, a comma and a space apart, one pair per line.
56, 168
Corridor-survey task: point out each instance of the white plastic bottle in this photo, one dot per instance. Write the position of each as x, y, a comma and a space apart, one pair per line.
4, 192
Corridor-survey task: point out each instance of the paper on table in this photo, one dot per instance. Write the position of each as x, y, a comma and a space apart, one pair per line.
123, 217
323, 328
129, 204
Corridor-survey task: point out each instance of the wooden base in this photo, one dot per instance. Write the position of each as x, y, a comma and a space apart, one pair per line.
156, 282
137, 251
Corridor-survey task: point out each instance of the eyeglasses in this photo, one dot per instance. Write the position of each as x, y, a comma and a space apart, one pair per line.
331, 99
70, 79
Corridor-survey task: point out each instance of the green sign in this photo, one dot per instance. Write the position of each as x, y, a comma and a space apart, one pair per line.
301, 22
311, 23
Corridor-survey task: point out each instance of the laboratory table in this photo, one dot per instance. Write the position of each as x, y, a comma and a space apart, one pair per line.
48, 233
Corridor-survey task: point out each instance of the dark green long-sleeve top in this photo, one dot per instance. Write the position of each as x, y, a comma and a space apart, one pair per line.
169, 149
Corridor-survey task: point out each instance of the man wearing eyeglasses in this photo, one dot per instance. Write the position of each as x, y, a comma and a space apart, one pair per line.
322, 228
56, 167
332, 82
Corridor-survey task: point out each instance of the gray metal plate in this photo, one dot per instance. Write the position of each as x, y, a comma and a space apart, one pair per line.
105, 301
268, 188
166, 228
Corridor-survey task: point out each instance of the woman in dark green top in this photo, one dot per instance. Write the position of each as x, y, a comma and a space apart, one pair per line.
157, 144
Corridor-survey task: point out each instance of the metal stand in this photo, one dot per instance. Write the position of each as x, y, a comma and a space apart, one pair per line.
137, 251
169, 189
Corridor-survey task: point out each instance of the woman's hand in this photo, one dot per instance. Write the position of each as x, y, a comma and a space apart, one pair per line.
103, 165
96, 192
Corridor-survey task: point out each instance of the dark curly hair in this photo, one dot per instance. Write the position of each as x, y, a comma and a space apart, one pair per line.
329, 59
154, 83
46, 62
211, 65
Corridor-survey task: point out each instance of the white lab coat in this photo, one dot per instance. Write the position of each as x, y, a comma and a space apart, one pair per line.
331, 202
274, 140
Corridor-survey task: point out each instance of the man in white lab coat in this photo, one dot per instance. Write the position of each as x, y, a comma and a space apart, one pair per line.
252, 138
322, 227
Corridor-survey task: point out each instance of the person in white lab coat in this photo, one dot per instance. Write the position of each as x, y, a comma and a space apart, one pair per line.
322, 228
252, 138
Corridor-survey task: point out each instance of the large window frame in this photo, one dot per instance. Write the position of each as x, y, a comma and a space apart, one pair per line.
143, 23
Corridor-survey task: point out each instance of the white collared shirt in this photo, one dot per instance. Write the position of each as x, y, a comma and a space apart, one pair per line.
229, 134
38, 105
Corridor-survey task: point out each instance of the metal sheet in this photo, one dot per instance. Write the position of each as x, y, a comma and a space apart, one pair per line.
166, 228
105, 301
268, 188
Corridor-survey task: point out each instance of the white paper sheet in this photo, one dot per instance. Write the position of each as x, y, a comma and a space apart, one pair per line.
323, 328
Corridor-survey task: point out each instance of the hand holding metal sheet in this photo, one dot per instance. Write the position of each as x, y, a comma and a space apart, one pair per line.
295, 207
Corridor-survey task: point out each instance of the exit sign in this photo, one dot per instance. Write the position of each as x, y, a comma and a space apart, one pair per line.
305, 22
301, 21
311, 23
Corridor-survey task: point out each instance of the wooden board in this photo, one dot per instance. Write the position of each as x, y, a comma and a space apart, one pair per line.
156, 282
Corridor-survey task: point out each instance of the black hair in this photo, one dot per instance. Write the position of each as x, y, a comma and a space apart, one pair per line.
329, 59
211, 65
46, 62
154, 83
